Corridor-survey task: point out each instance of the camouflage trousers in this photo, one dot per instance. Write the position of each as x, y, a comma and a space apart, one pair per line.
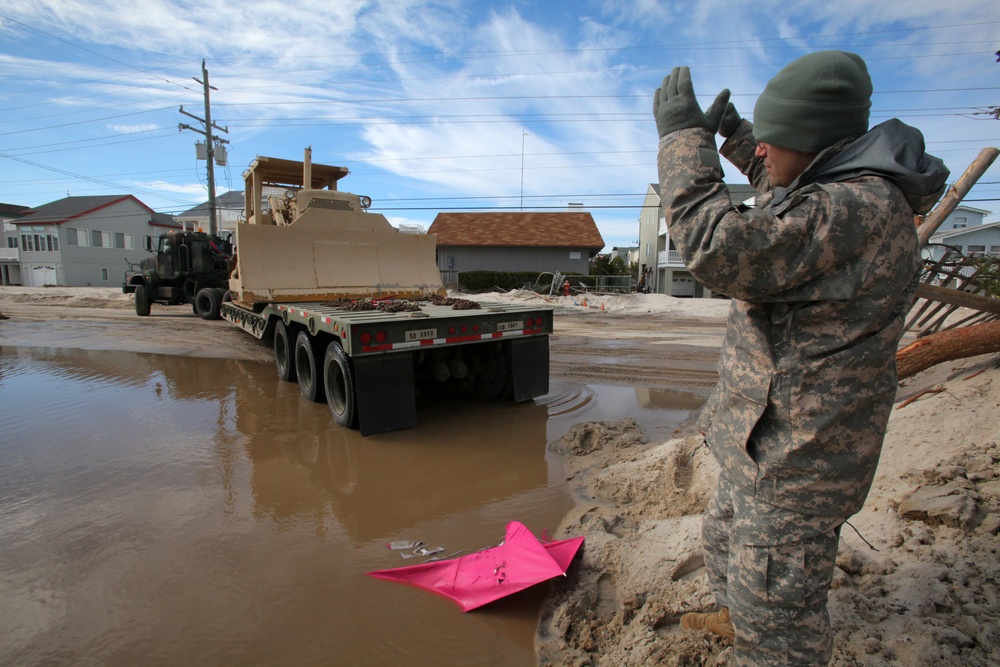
773, 569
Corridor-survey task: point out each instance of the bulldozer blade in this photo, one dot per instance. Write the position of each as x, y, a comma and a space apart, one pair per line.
299, 263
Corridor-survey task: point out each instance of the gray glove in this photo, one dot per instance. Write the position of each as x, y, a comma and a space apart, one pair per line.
675, 107
730, 120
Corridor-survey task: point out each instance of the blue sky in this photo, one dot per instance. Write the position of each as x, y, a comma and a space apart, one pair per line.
448, 104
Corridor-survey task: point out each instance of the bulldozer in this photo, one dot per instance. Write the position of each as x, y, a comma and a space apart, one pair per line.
303, 240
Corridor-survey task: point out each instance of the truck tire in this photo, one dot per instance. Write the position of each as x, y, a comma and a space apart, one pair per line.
142, 301
338, 376
207, 302
284, 357
309, 368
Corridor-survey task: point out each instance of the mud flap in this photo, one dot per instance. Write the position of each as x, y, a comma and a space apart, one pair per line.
529, 360
386, 397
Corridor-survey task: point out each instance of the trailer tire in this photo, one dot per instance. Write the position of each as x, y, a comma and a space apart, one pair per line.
142, 301
338, 376
284, 357
207, 302
492, 380
309, 368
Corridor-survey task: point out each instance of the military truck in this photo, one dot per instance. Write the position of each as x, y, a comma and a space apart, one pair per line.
184, 267
356, 310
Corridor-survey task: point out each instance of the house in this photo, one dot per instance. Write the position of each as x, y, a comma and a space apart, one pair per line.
970, 241
10, 263
962, 217
228, 212
515, 241
965, 231
85, 241
660, 267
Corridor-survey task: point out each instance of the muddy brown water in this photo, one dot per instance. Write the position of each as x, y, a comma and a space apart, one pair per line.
163, 510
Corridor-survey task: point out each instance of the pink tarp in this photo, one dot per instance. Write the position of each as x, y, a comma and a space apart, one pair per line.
518, 562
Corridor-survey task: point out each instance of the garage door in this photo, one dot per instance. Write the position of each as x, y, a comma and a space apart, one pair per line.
40, 276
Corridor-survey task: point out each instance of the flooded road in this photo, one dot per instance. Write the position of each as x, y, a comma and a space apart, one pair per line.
164, 510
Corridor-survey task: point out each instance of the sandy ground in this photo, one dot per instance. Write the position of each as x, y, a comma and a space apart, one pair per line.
916, 583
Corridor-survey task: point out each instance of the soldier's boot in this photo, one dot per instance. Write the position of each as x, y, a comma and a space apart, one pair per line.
717, 622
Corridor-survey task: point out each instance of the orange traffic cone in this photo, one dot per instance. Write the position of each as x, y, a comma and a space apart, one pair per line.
602, 305
584, 302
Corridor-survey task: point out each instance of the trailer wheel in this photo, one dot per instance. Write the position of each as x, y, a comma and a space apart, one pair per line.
309, 368
142, 301
492, 380
207, 302
283, 352
338, 375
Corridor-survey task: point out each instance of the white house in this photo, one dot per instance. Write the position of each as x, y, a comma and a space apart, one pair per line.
228, 212
660, 267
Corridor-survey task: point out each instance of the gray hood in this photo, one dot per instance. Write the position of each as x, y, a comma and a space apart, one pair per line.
892, 150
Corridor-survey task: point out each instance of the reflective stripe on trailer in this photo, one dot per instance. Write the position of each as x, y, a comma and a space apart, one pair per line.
389, 347
304, 313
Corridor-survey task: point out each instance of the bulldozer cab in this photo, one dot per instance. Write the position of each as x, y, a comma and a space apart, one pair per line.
305, 240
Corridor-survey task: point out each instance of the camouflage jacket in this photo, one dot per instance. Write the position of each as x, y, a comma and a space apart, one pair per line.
822, 274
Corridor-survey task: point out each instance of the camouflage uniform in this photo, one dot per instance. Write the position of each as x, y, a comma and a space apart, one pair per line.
821, 274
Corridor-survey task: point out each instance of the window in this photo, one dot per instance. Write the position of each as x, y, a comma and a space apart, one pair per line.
95, 238
39, 243
11, 241
647, 250
975, 250
119, 240
104, 275
958, 223
26, 242
71, 236
128, 242
107, 240
52, 241
994, 251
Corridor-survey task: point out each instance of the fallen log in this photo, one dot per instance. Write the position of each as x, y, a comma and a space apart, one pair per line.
948, 346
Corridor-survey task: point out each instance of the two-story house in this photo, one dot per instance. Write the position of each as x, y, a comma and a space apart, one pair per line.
85, 241
660, 267
10, 258
965, 230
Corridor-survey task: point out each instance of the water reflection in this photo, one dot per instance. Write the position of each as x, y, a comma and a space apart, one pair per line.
165, 510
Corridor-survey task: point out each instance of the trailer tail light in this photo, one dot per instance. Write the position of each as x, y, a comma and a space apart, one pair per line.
367, 337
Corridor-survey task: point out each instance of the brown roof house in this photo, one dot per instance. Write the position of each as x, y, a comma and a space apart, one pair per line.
563, 241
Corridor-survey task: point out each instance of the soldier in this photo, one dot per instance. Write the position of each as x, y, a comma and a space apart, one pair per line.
821, 274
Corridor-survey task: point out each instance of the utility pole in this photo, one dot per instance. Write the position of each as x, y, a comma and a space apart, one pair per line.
210, 141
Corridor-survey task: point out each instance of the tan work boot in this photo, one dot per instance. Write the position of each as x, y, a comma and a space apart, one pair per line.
717, 622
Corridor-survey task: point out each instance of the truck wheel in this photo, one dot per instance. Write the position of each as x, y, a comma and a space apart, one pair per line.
338, 375
142, 301
207, 302
284, 358
309, 368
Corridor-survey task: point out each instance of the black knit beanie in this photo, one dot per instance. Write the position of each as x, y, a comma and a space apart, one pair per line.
814, 102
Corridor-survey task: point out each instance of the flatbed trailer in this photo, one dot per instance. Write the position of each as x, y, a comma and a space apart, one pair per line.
368, 365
